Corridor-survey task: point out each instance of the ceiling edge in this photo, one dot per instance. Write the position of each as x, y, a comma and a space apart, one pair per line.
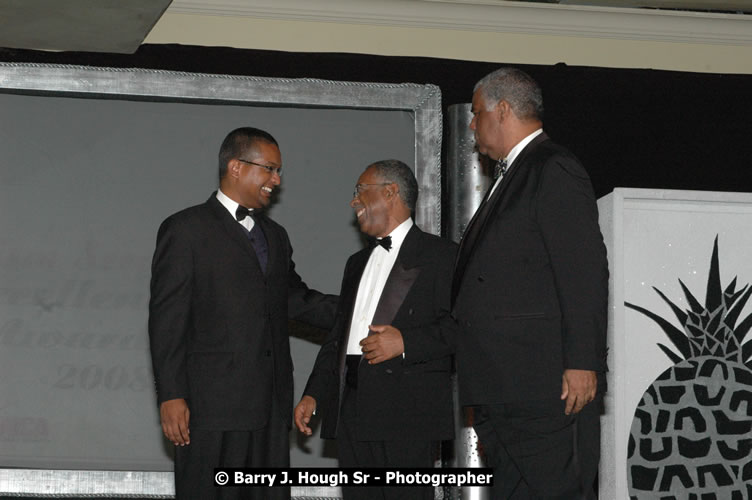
490, 16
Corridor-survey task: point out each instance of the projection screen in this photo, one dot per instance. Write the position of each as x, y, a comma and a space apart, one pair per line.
91, 161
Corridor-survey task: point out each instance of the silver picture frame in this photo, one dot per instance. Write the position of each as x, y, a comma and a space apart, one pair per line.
423, 100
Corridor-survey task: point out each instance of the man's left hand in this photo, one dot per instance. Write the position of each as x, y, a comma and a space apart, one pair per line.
578, 388
383, 345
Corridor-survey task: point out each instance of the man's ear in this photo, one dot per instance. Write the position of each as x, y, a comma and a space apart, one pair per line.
233, 168
502, 110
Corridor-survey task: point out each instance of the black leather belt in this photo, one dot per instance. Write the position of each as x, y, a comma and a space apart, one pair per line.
351, 373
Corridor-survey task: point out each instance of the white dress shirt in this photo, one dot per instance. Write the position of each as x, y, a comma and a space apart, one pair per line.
371, 285
231, 207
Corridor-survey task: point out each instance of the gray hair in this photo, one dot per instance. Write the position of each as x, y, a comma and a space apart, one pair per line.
399, 173
517, 88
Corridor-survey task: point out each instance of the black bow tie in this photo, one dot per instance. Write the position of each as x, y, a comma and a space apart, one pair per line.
500, 169
385, 242
242, 212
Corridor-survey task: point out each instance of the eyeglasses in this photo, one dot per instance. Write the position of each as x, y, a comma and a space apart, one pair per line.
268, 168
359, 187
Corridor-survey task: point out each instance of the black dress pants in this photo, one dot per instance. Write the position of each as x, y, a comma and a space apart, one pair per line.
265, 447
353, 452
537, 453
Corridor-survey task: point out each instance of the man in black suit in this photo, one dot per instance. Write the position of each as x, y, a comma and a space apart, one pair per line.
530, 297
381, 381
223, 285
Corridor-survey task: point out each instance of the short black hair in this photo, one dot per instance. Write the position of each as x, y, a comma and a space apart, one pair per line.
238, 142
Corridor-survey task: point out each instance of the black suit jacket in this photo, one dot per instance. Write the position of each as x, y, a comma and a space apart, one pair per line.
218, 325
531, 283
403, 398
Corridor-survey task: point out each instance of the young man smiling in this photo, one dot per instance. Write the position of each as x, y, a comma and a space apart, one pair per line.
223, 285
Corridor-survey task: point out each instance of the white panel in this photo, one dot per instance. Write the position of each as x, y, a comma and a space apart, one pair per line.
655, 238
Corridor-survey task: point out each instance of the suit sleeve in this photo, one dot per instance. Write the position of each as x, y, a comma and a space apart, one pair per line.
170, 310
324, 373
567, 215
305, 304
435, 339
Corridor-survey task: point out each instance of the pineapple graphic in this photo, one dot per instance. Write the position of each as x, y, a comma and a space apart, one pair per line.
691, 436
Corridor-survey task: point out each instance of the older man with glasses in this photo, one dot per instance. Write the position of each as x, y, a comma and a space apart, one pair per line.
381, 381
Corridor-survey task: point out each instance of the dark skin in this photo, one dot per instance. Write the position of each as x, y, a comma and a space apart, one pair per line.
379, 210
251, 186
497, 130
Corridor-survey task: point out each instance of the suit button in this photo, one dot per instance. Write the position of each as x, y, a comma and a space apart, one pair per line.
268, 353
481, 279
410, 311
389, 370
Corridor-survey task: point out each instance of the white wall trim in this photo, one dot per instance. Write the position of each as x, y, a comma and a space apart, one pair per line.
495, 16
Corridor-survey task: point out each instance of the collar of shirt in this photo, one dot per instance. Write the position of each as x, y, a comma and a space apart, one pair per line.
515, 152
231, 206
398, 235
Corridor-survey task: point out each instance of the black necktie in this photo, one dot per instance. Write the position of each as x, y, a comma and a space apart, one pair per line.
256, 236
385, 242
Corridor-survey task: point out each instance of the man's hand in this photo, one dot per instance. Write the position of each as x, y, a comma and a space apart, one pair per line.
303, 413
383, 345
578, 388
175, 417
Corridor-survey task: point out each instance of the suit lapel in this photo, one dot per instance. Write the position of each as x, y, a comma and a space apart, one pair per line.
481, 217
235, 232
400, 280
350, 283
520, 164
